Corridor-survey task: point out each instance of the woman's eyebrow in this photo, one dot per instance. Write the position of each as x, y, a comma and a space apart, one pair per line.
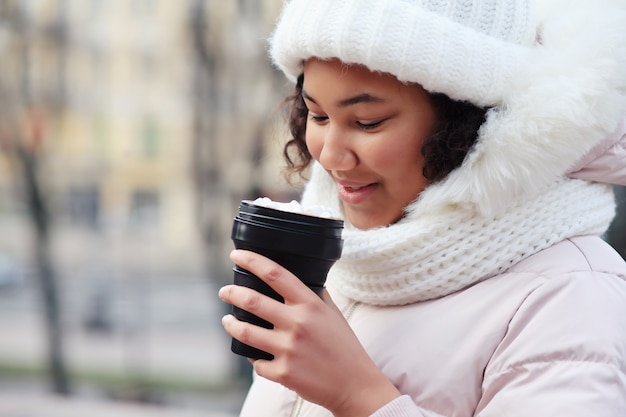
306, 96
359, 98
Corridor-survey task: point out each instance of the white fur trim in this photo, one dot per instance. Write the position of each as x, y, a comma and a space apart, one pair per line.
571, 95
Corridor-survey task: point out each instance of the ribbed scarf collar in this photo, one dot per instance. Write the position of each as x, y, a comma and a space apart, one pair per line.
431, 255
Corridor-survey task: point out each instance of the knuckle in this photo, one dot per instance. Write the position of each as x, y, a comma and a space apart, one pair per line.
274, 273
251, 302
317, 307
299, 335
245, 335
283, 374
265, 267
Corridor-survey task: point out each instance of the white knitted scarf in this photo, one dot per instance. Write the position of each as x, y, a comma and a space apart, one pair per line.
430, 254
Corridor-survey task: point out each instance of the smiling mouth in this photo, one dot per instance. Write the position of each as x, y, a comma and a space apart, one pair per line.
353, 189
356, 194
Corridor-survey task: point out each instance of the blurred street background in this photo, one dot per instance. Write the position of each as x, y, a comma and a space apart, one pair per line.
130, 130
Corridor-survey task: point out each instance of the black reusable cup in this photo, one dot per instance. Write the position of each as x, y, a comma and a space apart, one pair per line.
305, 245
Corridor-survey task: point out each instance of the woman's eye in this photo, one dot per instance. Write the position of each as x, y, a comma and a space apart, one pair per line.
367, 126
316, 118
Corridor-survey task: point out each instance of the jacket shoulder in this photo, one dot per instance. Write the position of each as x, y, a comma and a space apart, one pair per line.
567, 338
606, 162
575, 255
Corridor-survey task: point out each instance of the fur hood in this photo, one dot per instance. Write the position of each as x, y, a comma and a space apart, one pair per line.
569, 96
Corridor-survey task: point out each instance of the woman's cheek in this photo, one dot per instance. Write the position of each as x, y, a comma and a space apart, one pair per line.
313, 141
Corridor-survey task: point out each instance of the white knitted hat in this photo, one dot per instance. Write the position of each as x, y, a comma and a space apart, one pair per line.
466, 49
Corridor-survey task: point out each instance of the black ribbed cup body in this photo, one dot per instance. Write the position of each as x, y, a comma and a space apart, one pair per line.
305, 245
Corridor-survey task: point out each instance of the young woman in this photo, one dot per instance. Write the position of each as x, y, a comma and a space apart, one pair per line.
465, 144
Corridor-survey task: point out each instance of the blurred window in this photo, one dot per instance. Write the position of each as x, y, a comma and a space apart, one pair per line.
26, 7
9, 201
147, 65
5, 8
99, 64
100, 131
144, 6
151, 138
84, 204
144, 210
97, 6
250, 8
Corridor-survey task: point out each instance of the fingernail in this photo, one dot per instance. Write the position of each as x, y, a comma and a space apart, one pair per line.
234, 254
227, 318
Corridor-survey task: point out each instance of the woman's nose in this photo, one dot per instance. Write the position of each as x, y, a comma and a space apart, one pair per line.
337, 153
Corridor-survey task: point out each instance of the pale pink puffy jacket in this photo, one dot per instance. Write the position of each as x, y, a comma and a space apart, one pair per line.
547, 338
607, 161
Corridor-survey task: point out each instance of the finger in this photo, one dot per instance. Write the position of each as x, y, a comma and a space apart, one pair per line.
280, 279
255, 336
253, 302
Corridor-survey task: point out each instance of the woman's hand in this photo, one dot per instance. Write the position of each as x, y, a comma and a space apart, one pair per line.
315, 351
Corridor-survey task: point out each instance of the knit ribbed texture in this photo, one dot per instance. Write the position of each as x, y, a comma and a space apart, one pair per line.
468, 50
439, 252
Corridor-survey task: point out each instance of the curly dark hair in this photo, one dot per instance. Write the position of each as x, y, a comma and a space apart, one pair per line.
455, 133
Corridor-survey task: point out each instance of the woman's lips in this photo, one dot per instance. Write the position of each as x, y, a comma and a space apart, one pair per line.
355, 194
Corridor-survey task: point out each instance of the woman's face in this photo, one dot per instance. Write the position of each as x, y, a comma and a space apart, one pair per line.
366, 129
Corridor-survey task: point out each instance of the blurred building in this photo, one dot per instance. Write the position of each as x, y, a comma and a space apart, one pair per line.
148, 121
121, 160
140, 138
